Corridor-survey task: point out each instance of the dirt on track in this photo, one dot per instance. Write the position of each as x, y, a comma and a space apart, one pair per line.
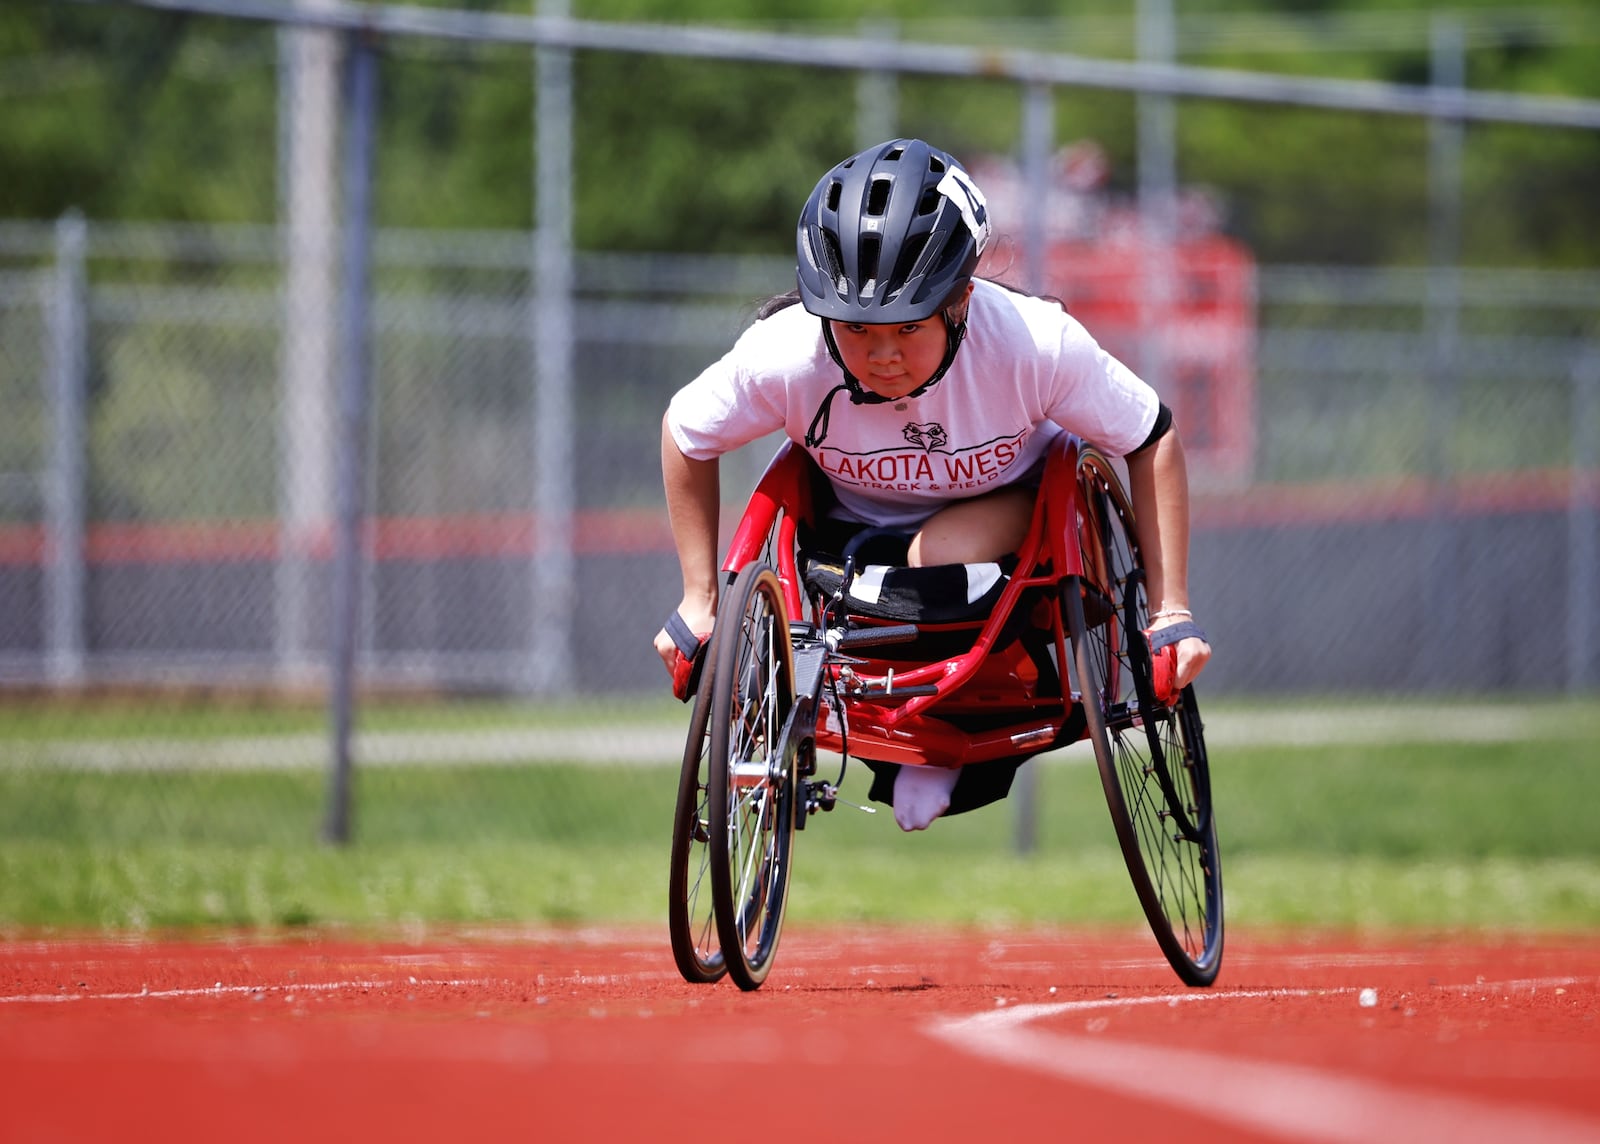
859, 1034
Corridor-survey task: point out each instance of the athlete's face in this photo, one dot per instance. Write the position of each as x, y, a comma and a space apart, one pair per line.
893, 361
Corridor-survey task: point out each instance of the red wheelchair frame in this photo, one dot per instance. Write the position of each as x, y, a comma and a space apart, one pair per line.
791, 671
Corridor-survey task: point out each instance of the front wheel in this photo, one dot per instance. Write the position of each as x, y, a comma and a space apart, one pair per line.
690, 916
1152, 758
752, 774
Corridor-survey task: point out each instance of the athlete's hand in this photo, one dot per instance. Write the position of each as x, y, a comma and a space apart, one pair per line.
678, 649
1177, 665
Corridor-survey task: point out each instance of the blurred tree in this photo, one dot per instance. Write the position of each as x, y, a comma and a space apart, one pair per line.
129, 112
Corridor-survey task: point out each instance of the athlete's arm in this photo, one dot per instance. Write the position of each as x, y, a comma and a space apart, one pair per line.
1158, 481
693, 501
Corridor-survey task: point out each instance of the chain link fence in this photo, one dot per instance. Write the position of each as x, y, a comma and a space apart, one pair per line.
1402, 499
165, 405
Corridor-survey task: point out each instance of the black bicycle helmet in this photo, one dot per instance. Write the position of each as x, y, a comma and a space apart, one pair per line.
890, 235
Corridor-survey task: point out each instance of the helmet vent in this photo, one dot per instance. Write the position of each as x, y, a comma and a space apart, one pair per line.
878, 197
834, 190
936, 164
931, 198
894, 154
953, 251
910, 251
833, 256
871, 247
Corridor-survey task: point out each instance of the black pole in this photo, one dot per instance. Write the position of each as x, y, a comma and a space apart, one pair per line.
354, 386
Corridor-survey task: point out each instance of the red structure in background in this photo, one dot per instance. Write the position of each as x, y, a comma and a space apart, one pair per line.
1182, 313
1198, 295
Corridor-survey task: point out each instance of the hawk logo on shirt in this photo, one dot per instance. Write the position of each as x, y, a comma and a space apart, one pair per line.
926, 437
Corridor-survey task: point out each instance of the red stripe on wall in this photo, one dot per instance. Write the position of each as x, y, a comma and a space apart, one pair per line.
621, 531
393, 538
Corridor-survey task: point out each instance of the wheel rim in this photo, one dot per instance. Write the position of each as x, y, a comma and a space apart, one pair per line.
752, 786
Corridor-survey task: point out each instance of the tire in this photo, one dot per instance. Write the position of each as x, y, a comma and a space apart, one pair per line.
752, 773
1152, 758
691, 917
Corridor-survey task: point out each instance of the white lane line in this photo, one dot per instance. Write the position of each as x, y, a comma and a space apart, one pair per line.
245, 990
1294, 1101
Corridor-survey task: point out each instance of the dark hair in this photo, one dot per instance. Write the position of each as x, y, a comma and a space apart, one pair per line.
775, 303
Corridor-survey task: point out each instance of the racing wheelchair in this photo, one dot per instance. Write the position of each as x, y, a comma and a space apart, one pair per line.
832, 652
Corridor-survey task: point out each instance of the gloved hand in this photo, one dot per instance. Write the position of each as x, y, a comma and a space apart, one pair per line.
1164, 658
688, 657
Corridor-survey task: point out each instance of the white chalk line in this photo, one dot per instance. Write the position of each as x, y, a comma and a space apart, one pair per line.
246, 990
220, 990
1295, 1101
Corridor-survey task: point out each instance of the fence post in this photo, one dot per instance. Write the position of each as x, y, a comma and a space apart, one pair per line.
354, 399
555, 483
1158, 197
1441, 656
309, 127
65, 573
877, 90
1583, 524
1038, 143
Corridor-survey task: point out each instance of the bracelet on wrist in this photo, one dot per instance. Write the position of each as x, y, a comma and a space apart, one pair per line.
1166, 612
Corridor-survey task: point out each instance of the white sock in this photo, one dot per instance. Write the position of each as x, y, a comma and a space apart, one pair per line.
922, 794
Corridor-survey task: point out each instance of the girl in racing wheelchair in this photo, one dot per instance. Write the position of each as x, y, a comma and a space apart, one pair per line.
953, 388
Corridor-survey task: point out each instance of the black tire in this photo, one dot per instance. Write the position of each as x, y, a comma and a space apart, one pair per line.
752, 788
691, 917
1152, 758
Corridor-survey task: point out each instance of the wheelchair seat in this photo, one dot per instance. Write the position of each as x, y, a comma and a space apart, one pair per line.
948, 602
938, 594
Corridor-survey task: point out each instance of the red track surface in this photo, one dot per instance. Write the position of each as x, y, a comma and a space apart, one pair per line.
858, 1035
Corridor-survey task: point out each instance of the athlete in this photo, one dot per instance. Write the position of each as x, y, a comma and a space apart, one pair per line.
929, 398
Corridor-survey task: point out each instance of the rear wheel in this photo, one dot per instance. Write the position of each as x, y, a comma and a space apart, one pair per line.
1152, 758
752, 793
690, 915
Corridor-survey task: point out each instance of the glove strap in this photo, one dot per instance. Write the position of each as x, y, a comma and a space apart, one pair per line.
1168, 636
685, 640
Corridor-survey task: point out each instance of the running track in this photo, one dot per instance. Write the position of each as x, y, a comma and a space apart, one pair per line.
882, 1035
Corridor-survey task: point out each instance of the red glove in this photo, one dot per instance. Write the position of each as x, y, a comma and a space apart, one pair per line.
1163, 671
1164, 658
691, 657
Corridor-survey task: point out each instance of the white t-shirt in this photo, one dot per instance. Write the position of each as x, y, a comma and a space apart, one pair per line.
1026, 372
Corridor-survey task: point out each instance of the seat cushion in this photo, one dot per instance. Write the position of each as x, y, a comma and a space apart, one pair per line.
937, 594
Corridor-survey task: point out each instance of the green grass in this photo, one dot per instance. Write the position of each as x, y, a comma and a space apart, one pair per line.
1484, 835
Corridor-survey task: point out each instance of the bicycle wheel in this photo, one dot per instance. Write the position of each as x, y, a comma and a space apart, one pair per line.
752, 796
690, 915
1152, 758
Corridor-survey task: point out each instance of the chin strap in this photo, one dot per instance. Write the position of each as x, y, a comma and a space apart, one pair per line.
955, 333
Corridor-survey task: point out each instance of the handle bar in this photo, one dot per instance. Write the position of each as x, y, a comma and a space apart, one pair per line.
872, 637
